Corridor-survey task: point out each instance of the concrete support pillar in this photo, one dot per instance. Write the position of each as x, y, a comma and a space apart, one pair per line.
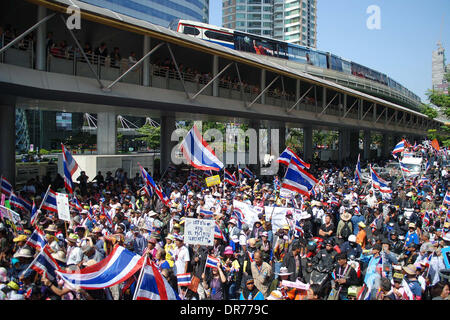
386, 147
146, 63
41, 43
297, 92
263, 85
324, 97
366, 144
353, 144
255, 125
344, 145
167, 127
215, 71
307, 144
8, 138
106, 133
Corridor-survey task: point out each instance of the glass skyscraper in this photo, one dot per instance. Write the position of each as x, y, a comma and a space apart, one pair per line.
294, 21
160, 12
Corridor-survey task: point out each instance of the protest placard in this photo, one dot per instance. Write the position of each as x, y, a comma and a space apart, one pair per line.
212, 181
62, 203
199, 231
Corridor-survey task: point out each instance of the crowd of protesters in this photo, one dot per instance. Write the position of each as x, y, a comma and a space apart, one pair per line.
346, 241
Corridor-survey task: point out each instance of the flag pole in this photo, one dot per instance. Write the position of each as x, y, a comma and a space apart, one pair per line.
139, 280
45, 197
34, 260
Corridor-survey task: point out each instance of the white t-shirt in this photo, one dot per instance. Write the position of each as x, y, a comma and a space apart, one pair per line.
74, 255
181, 256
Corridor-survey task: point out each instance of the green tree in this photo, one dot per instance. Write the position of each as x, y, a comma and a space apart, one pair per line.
429, 111
150, 135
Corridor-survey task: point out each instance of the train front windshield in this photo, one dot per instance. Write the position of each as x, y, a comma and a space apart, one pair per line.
173, 25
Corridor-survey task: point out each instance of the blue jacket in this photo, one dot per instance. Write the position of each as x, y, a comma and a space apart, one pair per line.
410, 238
355, 220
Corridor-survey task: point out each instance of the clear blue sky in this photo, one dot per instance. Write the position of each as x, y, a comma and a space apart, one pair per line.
403, 46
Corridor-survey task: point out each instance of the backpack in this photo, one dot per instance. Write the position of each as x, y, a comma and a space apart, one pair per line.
346, 231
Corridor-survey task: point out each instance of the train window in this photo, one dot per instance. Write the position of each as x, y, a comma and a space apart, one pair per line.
336, 63
219, 36
298, 54
191, 30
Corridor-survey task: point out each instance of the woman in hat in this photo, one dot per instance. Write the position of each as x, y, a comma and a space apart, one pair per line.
250, 292
231, 271
51, 238
215, 283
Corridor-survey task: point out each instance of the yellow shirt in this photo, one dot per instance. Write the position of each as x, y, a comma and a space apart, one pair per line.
169, 248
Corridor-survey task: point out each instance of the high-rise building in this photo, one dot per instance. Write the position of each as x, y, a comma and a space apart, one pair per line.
160, 12
294, 21
439, 69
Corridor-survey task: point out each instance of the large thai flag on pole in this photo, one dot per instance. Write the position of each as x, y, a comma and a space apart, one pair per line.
37, 240
6, 187
358, 171
298, 180
150, 182
399, 148
49, 202
286, 156
218, 233
72, 165
152, 285
44, 264
198, 153
68, 183
115, 268
379, 183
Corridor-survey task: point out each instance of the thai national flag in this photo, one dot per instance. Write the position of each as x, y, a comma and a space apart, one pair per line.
149, 182
447, 199
117, 267
358, 171
286, 156
379, 183
404, 167
154, 286
34, 214
298, 180
206, 213
229, 178
334, 200
68, 183
20, 202
218, 232
198, 153
72, 165
46, 265
248, 173
75, 204
37, 240
184, 279
212, 262
399, 148
49, 202
426, 219
427, 167
148, 191
298, 229
6, 187
106, 214
239, 216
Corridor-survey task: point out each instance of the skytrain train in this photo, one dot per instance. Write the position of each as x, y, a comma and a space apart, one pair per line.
248, 42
